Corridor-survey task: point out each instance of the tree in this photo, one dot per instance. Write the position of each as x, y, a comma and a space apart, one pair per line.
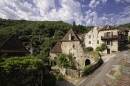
62, 60
16, 67
102, 47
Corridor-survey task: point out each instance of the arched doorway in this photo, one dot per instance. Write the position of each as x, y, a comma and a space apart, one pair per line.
87, 62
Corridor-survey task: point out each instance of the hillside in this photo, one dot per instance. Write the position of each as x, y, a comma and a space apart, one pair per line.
43, 34
125, 25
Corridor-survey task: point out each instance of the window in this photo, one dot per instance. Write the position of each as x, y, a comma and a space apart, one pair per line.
54, 58
74, 58
73, 46
89, 36
97, 41
108, 33
108, 42
89, 42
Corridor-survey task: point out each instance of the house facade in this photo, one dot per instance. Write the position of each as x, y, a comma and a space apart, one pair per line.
112, 36
71, 43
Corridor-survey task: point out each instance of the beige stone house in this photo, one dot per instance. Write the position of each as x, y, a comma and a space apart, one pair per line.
112, 36
71, 43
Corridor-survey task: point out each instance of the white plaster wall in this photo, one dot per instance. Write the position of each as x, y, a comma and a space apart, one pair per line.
96, 35
52, 55
94, 38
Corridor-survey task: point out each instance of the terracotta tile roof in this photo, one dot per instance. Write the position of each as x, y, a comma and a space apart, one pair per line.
12, 45
74, 37
108, 27
122, 30
56, 48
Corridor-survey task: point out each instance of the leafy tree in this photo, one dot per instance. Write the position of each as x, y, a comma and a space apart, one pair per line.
102, 47
62, 60
11, 67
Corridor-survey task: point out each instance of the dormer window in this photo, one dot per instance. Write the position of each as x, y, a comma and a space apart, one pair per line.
107, 27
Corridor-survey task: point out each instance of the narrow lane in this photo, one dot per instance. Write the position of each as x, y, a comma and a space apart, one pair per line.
99, 76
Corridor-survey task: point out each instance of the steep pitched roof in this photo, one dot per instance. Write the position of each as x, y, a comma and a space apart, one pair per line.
56, 48
12, 45
108, 27
74, 37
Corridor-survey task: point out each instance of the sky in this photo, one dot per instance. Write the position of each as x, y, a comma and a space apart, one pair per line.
84, 12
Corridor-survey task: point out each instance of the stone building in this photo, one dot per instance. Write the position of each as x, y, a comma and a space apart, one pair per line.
71, 43
112, 36
12, 46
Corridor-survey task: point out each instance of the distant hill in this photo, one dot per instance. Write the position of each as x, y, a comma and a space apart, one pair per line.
125, 25
44, 34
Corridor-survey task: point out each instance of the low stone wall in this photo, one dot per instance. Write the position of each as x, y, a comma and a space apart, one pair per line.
92, 68
77, 74
72, 73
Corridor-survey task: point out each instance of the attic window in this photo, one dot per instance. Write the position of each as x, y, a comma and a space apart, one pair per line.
107, 27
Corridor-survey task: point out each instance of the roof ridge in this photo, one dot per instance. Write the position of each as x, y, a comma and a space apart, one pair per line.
74, 35
6, 40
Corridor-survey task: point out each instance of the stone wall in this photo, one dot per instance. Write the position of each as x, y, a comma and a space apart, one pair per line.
72, 73
79, 55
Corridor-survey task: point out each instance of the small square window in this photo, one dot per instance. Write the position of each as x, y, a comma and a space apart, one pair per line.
89, 42
89, 36
97, 41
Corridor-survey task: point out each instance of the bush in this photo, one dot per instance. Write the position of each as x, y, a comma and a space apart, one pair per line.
88, 49
113, 51
16, 67
102, 47
86, 68
98, 48
61, 60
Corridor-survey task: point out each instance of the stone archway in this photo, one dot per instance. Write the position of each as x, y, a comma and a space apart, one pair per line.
87, 62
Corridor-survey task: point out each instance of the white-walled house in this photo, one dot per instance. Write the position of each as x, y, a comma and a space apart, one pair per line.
112, 36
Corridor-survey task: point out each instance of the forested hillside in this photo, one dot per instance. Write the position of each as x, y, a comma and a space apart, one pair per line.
43, 34
125, 25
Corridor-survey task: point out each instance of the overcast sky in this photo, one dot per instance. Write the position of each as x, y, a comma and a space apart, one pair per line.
85, 12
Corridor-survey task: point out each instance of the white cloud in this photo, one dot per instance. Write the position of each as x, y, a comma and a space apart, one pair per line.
68, 11
112, 19
104, 1
94, 3
122, 1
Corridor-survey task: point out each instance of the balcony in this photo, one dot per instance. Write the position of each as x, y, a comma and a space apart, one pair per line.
109, 37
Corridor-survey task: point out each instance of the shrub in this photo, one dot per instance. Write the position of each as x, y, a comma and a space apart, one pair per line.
98, 48
86, 68
59, 77
16, 67
88, 49
62, 60
102, 47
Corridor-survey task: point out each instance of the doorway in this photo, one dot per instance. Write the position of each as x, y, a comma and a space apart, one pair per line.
108, 51
87, 62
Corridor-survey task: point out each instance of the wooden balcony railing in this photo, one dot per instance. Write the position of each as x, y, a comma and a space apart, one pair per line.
112, 37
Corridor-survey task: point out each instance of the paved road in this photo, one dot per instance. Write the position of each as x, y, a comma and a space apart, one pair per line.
99, 76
